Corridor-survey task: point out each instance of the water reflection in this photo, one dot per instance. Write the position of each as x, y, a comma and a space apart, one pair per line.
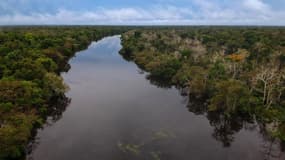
116, 114
54, 113
225, 127
158, 82
57, 106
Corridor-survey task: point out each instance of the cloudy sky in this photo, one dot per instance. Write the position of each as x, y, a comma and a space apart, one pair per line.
143, 12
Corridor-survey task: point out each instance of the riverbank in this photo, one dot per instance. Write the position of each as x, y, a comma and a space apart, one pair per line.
218, 66
31, 89
116, 112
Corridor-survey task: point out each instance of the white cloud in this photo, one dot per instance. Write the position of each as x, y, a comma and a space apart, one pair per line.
100, 16
257, 5
242, 12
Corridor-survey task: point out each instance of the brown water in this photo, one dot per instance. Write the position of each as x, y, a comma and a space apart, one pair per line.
117, 114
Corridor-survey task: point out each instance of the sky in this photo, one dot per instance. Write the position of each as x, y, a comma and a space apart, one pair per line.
142, 12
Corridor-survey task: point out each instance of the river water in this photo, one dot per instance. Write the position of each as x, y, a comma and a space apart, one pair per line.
116, 113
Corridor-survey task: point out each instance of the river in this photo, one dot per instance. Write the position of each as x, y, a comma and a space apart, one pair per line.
116, 113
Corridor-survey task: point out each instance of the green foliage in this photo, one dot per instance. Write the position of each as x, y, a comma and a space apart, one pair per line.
230, 96
54, 84
165, 67
15, 133
198, 81
137, 34
22, 94
186, 53
217, 71
281, 131
48, 64
220, 64
193, 77
31, 59
6, 107
182, 76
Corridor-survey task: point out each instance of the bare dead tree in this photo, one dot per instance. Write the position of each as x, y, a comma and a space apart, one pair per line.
268, 80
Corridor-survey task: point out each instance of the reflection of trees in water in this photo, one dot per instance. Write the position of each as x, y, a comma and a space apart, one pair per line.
161, 83
196, 106
55, 110
272, 148
57, 107
226, 126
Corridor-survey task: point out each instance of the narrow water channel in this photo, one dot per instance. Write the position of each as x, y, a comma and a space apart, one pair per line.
116, 113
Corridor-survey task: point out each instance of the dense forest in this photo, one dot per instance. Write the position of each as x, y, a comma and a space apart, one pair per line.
233, 71
31, 60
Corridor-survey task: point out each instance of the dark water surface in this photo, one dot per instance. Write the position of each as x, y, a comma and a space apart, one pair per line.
117, 114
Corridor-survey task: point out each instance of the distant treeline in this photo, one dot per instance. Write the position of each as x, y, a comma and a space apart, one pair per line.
31, 59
